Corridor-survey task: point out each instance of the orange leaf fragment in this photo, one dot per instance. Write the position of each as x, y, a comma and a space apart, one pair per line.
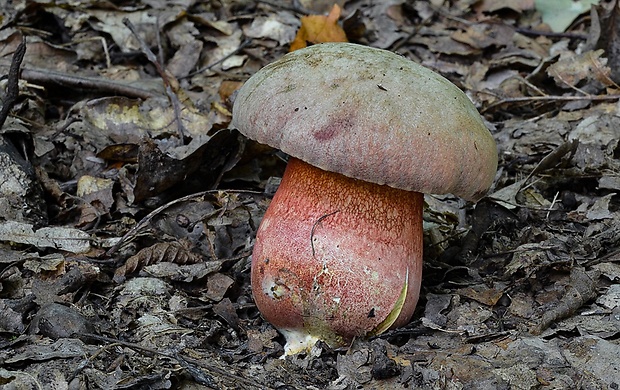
318, 29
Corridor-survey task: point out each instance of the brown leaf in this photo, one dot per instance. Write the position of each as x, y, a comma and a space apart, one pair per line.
58, 321
356, 364
581, 288
11, 321
261, 339
482, 36
226, 310
482, 294
123, 152
200, 168
570, 70
227, 88
319, 29
164, 251
217, 285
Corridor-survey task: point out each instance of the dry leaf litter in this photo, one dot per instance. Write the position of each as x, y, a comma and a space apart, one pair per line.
129, 207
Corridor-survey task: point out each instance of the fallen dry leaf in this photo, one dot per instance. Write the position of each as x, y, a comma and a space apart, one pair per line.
318, 28
581, 289
570, 70
92, 124
173, 252
217, 286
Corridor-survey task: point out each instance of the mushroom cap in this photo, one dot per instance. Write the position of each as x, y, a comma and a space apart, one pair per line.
372, 115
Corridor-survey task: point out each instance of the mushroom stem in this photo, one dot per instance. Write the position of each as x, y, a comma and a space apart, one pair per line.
337, 258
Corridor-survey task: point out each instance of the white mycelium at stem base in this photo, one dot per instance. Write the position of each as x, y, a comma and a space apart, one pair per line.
337, 258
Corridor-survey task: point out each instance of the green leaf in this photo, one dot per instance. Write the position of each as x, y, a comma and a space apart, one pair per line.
559, 14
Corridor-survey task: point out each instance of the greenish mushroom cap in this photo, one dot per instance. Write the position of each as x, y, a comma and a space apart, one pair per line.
372, 115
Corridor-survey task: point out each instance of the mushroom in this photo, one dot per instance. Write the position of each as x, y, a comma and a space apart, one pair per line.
338, 254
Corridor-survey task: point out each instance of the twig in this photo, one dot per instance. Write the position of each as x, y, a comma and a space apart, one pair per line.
184, 361
597, 65
242, 46
552, 159
172, 96
550, 98
146, 220
520, 249
48, 76
532, 86
569, 85
612, 257
413, 32
550, 34
555, 199
12, 88
199, 376
522, 30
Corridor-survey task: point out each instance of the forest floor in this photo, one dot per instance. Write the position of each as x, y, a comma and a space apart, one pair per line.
130, 206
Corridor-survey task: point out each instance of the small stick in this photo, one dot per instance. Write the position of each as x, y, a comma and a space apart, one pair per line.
47, 76
242, 46
174, 100
550, 98
12, 89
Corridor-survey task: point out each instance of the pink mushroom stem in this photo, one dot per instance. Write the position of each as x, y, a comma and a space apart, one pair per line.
337, 258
